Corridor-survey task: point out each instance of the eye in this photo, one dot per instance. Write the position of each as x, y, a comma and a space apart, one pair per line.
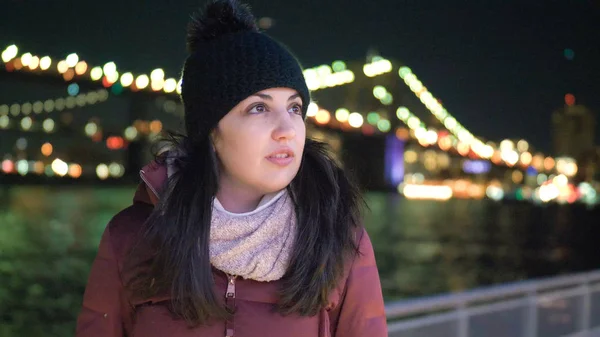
296, 109
257, 109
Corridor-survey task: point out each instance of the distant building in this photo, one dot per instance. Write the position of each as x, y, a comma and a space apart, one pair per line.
573, 131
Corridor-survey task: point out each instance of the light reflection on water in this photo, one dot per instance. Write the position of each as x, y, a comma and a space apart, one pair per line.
48, 238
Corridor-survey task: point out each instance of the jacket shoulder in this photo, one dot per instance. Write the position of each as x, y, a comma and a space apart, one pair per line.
125, 227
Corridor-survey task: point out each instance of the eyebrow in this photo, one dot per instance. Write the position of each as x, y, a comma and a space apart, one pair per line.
269, 98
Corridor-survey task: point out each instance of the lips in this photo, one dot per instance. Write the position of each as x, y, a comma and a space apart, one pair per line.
281, 157
282, 153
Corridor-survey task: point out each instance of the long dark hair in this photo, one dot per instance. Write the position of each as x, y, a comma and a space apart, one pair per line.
328, 206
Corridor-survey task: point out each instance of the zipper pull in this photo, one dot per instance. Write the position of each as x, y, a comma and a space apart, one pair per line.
230, 305
230, 286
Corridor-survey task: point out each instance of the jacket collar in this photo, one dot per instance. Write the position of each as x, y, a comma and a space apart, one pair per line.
154, 176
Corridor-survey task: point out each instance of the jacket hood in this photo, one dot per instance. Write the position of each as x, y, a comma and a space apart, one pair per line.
154, 177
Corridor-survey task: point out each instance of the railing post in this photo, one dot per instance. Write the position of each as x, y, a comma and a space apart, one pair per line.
463, 321
586, 307
531, 315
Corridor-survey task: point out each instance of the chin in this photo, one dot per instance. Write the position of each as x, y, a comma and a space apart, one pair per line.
274, 184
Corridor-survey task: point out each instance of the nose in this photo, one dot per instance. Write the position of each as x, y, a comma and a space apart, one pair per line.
284, 128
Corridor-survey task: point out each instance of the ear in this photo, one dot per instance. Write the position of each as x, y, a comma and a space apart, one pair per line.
214, 136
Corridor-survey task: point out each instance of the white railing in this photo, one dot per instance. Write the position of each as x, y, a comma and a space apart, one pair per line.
558, 306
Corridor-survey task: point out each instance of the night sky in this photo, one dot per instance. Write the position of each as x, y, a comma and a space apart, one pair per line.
499, 66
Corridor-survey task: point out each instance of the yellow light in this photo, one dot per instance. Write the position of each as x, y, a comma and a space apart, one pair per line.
49, 105
324, 70
96, 73
131, 133
548, 192
510, 157
62, 67
431, 137
142, 81
417, 86
432, 192
526, 158
378, 67
410, 156
45, 63
342, 114
517, 177
72, 60
109, 68
91, 128
48, 125
157, 75
179, 86
81, 68
170, 85
506, 145
9, 53
126, 79
312, 110
463, 148
47, 149
102, 171
355, 120
15, 109
112, 77
26, 123
323, 116
522, 145
38, 107
560, 180
25, 59
60, 167
4, 122
413, 122
157, 85
34, 63
116, 170
570, 169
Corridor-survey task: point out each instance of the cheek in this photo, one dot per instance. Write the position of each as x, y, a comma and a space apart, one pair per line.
239, 150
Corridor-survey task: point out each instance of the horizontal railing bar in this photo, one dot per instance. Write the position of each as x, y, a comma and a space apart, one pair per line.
423, 322
522, 288
496, 307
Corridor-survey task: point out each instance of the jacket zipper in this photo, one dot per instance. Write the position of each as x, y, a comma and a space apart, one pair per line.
230, 304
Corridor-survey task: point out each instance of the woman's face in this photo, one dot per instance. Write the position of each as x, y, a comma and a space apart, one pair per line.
260, 142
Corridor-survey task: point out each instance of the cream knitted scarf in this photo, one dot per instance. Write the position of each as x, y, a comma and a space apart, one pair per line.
256, 245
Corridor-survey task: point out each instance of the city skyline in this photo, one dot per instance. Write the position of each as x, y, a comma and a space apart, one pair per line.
487, 77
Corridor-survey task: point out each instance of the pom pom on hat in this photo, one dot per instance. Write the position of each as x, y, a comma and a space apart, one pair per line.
219, 17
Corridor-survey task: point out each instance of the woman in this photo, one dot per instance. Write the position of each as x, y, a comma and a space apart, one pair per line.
245, 228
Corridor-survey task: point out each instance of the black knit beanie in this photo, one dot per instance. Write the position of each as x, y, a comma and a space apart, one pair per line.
230, 60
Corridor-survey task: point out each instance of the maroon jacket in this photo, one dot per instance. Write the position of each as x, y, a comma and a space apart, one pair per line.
356, 307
